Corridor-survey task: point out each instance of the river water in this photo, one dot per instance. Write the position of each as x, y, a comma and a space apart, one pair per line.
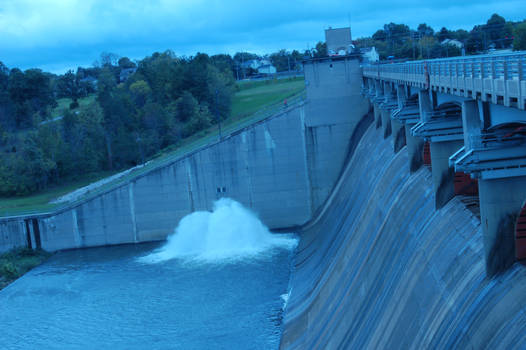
155, 296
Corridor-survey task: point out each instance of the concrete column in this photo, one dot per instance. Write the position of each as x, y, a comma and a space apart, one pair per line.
425, 105
388, 91
500, 203
415, 145
415, 149
378, 87
401, 94
370, 86
386, 121
377, 116
471, 124
399, 140
443, 175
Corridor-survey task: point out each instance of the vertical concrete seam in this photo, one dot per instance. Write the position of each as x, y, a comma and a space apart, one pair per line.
306, 161
132, 210
76, 233
189, 183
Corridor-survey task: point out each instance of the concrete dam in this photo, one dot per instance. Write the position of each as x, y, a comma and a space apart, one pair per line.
373, 171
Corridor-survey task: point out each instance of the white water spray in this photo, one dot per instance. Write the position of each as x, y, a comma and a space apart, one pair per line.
229, 232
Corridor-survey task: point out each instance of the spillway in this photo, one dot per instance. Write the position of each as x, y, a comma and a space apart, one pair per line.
379, 267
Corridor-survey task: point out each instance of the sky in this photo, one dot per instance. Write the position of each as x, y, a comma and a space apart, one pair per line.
57, 35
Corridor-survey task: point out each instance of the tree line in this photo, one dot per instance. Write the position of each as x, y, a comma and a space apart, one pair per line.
162, 100
400, 41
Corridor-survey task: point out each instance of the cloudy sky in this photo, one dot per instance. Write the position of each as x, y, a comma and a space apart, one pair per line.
56, 35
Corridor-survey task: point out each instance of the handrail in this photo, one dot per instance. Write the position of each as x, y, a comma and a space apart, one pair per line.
499, 78
506, 65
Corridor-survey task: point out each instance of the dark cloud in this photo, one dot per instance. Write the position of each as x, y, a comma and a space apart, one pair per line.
57, 34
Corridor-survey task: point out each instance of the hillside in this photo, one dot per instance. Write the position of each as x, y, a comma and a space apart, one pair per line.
251, 102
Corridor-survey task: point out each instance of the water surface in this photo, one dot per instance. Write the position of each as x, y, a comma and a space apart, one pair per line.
108, 298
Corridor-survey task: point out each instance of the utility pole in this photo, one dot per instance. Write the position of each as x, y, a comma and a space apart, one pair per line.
217, 114
414, 48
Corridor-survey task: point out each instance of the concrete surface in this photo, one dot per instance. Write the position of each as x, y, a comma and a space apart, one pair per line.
380, 268
283, 168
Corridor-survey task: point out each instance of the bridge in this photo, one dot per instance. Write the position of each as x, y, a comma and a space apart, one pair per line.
467, 116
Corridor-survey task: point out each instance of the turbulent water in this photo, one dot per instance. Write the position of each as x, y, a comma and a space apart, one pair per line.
220, 282
229, 232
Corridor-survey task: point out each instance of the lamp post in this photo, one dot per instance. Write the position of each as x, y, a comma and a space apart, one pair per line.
217, 113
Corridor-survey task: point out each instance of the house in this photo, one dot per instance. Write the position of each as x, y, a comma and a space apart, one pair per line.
126, 73
254, 64
267, 69
369, 54
453, 42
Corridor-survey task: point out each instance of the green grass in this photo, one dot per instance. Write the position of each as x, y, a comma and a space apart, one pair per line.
256, 95
17, 262
63, 103
252, 102
40, 201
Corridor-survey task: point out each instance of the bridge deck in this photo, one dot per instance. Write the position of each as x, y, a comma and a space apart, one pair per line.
497, 78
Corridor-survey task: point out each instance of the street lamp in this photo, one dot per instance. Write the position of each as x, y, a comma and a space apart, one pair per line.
217, 113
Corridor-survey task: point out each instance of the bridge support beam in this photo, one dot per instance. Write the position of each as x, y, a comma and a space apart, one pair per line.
386, 112
401, 94
471, 124
399, 132
415, 149
415, 145
399, 139
500, 203
378, 87
443, 175
425, 104
377, 116
386, 121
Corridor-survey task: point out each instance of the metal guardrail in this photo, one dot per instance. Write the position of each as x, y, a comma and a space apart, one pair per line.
164, 160
497, 78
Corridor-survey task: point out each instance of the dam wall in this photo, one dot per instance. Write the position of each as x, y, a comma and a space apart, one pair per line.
283, 168
380, 267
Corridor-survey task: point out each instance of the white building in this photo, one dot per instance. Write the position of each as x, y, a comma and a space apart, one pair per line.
370, 54
453, 42
267, 69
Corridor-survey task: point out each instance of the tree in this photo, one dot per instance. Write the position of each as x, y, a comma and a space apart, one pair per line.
425, 30
444, 34
68, 86
476, 41
380, 35
461, 35
124, 62
519, 43
494, 29
321, 49
140, 91
186, 107
281, 60
108, 59
31, 94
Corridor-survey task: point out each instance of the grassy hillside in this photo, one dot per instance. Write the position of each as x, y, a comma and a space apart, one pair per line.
252, 101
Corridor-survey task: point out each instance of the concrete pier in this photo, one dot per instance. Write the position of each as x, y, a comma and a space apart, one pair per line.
443, 174
501, 201
386, 122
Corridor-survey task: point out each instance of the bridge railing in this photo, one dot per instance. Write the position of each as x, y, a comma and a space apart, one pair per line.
499, 78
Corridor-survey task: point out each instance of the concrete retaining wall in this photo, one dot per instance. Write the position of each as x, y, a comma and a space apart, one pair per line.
283, 168
12, 234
